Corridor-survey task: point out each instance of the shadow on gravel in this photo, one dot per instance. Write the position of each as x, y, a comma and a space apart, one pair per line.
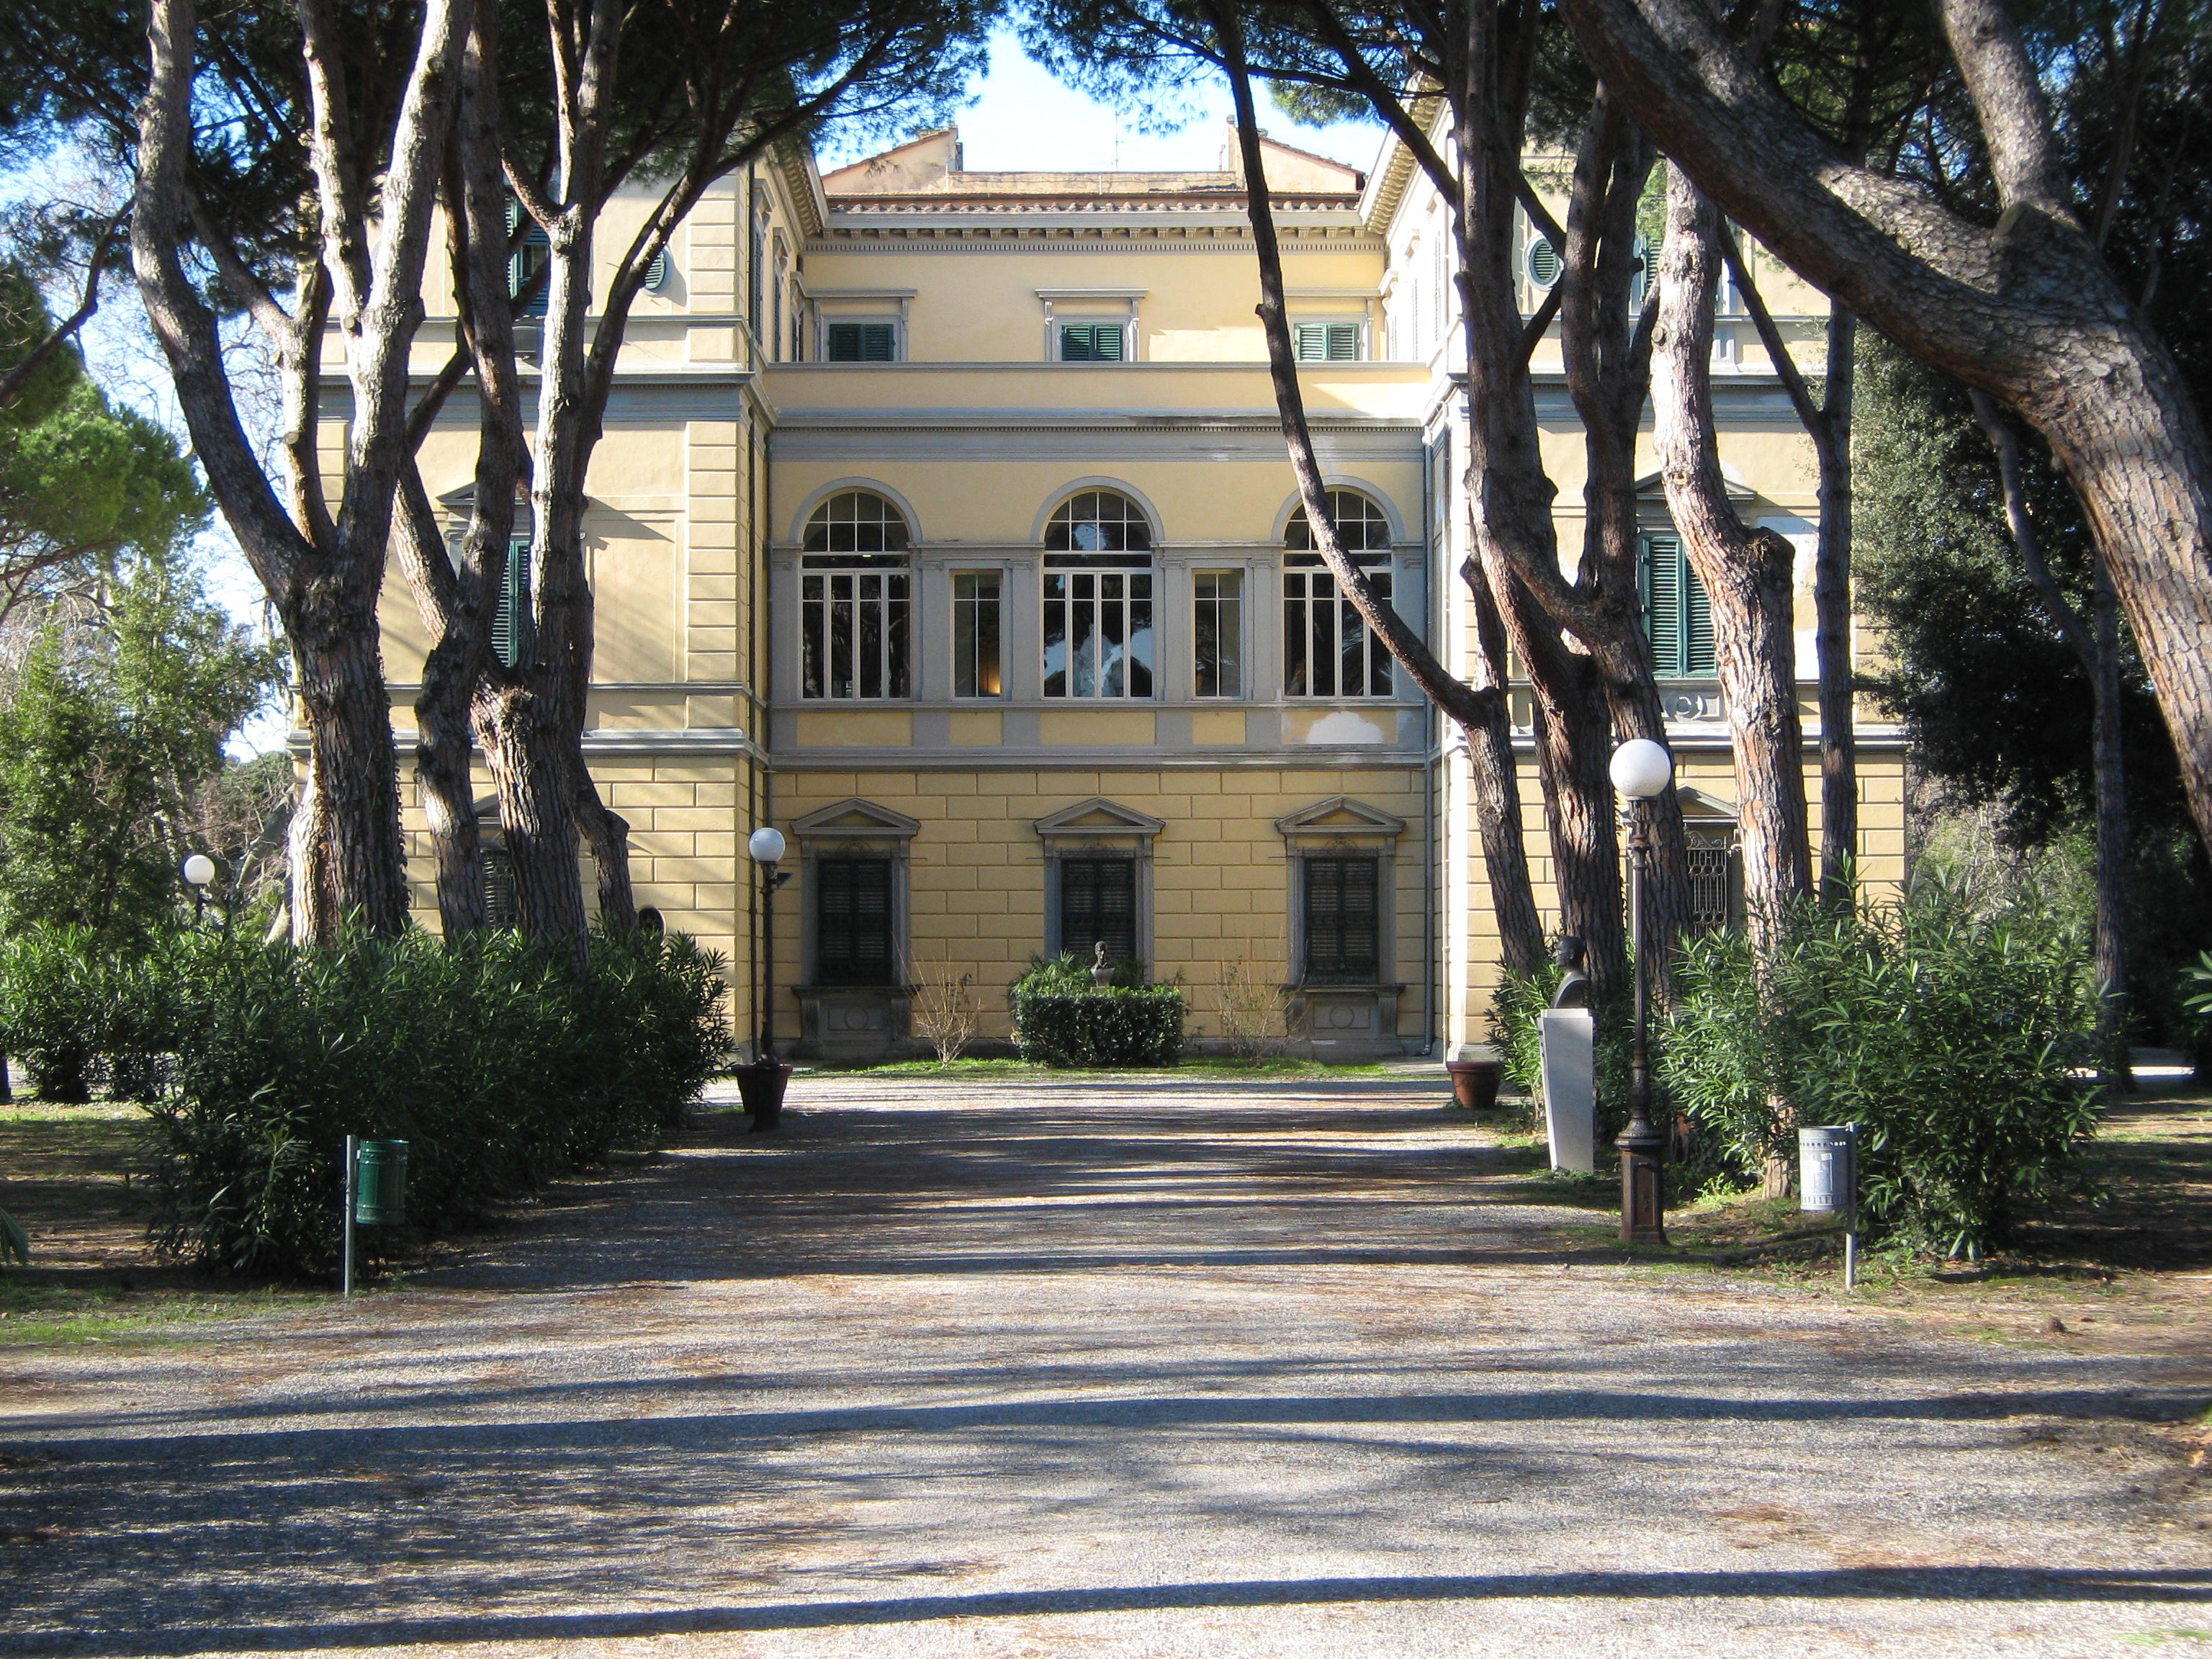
1920, 1583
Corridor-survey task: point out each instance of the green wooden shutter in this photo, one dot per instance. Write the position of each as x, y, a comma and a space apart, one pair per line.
1335, 342
1091, 343
858, 342
852, 921
1343, 921
514, 604
656, 271
1098, 906
1677, 613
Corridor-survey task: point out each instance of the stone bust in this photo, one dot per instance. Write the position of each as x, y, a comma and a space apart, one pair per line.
1574, 990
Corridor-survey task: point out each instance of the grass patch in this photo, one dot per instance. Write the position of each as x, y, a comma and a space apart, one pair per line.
1208, 1067
68, 1316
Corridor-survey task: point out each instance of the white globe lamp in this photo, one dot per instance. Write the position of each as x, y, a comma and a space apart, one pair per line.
766, 846
1641, 768
200, 870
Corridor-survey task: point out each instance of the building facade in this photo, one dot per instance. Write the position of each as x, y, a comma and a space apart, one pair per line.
943, 520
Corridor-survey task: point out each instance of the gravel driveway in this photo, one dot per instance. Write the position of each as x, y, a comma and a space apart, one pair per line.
1124, 1368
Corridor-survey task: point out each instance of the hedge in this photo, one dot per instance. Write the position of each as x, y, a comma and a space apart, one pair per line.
1119, 1025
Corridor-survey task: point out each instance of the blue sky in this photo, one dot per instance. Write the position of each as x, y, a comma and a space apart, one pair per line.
1024, 120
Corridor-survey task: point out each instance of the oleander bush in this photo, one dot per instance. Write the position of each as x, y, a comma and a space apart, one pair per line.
1950, 1029
501, 1063
1061, 1018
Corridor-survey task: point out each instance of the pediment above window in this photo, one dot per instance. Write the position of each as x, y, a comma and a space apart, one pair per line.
854, 820
1098, 821
1341, 819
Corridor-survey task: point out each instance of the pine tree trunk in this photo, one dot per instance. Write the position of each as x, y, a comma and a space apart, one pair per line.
519, 739
2109, 773
1831, 611
1747, 573
443, 748
352, 793
1495, 778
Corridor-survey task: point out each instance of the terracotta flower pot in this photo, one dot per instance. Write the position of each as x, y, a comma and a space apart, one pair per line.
1474, 1083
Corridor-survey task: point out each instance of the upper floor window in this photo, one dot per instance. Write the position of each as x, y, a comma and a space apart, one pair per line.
1217, 629
510, 623
1092, 342
1099, 521
860, 343
1098, 634
1331, 343
1677, 614
977, 618
1328, 651
855, 599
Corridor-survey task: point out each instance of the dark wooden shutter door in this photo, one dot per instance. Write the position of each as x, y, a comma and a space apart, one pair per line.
1098, 905
1343, 921
852, 922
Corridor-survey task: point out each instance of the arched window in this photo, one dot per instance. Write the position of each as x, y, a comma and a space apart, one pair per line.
855, 599
1099, 521
1361, 525
857, 521
1098, 640
1328, 650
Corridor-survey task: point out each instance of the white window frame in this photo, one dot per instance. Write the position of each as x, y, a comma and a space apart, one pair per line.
896, 324
1090, 305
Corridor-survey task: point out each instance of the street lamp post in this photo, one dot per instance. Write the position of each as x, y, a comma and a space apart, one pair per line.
198, 872
1641, 770
761, 1085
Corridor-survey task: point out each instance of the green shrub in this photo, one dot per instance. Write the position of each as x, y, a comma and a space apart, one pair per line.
500, 1062
68, 1002
1061, 1018
1944, 1027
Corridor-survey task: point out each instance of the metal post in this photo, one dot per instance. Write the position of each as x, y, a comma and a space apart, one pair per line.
352, 1146
767, 1055
1641, 1145
1851, 1218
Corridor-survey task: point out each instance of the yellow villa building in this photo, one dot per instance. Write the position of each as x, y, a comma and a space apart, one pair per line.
943, 521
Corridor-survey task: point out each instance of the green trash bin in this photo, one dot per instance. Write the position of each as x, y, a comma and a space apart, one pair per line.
380, 1193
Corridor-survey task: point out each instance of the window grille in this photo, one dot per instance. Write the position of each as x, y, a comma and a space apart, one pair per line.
1343, 921
976, 625
1712, 885
856, 601
852, 922
1328, 651
860, 343
1335, 342
500, 908
1677, 614
1091, 343
1218, 625
1098, 906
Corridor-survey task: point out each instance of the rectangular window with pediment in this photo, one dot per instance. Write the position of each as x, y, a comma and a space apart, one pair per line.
1343, 920
852, 921
1098, 906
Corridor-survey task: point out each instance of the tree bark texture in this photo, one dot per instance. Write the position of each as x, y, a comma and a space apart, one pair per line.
1481, 710
322, 576
537, 814
1832, 615
1747, 573
1607, 351
2026, 311
459, 599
